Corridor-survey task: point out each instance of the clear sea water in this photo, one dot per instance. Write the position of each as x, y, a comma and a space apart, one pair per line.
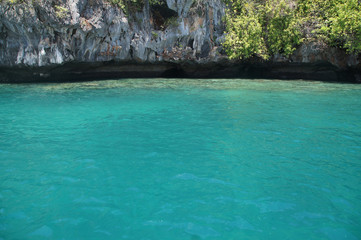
180, 159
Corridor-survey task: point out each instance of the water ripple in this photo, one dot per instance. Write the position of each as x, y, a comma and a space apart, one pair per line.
189, 176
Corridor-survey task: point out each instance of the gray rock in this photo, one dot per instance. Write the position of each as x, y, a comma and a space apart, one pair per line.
53, 32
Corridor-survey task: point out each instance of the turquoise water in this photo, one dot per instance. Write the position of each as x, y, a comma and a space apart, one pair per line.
180, 159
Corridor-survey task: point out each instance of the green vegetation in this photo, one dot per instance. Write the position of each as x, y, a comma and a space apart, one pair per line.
134, 4
61, 12
261, 28
12, 2
123, 3
172, 22
154, 35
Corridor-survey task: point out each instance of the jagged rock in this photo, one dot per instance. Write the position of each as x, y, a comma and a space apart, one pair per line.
54, 32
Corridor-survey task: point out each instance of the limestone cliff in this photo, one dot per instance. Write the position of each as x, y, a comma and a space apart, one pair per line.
45, 38
55, 32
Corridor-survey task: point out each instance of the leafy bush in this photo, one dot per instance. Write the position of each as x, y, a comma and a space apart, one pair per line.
244, 33
263, 28
343, 27
282, 30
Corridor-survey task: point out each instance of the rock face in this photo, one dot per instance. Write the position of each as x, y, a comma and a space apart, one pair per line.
40, 36
54, 32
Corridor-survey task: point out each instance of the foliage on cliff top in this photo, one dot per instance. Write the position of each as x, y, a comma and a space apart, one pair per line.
263, 28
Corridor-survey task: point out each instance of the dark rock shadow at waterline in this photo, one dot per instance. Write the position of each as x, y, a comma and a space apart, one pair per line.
76, 72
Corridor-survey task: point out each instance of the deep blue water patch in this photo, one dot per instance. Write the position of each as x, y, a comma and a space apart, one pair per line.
180, 159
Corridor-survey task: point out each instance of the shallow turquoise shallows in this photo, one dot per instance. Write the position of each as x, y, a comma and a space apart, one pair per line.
173, 159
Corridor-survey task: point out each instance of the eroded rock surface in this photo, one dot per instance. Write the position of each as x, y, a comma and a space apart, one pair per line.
55, 32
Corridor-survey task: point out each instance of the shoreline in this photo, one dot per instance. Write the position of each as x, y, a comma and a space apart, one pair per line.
83, 71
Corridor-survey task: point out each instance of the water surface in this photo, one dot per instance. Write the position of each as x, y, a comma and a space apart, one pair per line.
180, 159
